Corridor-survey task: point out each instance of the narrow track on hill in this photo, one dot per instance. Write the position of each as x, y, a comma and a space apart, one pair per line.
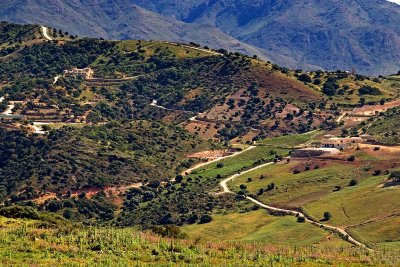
342, 232
196, 48
45, 33
188, 171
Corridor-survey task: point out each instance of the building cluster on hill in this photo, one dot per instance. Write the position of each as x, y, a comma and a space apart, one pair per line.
330, 141
86, 73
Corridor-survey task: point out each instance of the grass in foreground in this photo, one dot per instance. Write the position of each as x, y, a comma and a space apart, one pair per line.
28, 242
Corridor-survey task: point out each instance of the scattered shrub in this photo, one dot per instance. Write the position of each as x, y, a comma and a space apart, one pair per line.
301, 219
377, 172
351, 158
353, 182
327, 216
368, 90
395, 175
205, 219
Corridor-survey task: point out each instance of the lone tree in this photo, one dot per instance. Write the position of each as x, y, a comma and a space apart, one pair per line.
353, 182
327, 216
301, 219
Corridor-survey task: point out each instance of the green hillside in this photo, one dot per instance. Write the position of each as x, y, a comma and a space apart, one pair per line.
49, 241
200, 140
386, 127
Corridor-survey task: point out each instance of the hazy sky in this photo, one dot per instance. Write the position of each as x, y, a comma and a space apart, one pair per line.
395, 1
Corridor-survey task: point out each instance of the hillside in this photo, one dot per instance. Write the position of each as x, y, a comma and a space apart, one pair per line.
361, 35
305, 34
50, 241
154, 133
68, 137
385, 127
119, 19
92, 157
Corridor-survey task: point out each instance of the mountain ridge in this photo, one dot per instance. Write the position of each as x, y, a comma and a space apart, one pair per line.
119, 19
346, 35
301, 34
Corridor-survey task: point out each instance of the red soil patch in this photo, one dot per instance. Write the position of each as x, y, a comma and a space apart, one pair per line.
247, 138
113, 193
279, 85
206, 130
384, 152
210, 154
370, 110
223, 112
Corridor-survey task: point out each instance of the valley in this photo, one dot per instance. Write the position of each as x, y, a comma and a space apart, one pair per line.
181, 154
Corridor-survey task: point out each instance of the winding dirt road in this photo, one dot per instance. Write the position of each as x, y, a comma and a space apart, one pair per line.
342, 232
45, 33
56, 79
224, 183
10, 107
197, 48
188, 171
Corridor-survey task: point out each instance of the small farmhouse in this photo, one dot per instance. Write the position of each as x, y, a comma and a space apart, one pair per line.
338, 142
86, 73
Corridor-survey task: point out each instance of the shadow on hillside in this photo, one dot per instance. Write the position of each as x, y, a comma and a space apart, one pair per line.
391, 183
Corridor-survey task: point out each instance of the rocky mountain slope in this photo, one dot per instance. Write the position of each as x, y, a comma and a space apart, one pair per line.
364, 35
330, 35
120, 19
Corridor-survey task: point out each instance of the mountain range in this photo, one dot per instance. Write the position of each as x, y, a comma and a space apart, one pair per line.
330, 35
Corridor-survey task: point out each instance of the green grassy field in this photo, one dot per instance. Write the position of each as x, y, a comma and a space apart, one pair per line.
385, 128
290, 140
295, 189
314, 191
266, 151
259, 226
245, 160
368, 201
152, 47
388, 89
372, 233
350, 96
40, 243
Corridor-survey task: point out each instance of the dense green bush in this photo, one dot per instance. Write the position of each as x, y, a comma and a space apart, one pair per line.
368, 90
205, 219
22, 212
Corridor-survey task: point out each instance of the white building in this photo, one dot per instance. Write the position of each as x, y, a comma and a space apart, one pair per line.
339, 142
86, 73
